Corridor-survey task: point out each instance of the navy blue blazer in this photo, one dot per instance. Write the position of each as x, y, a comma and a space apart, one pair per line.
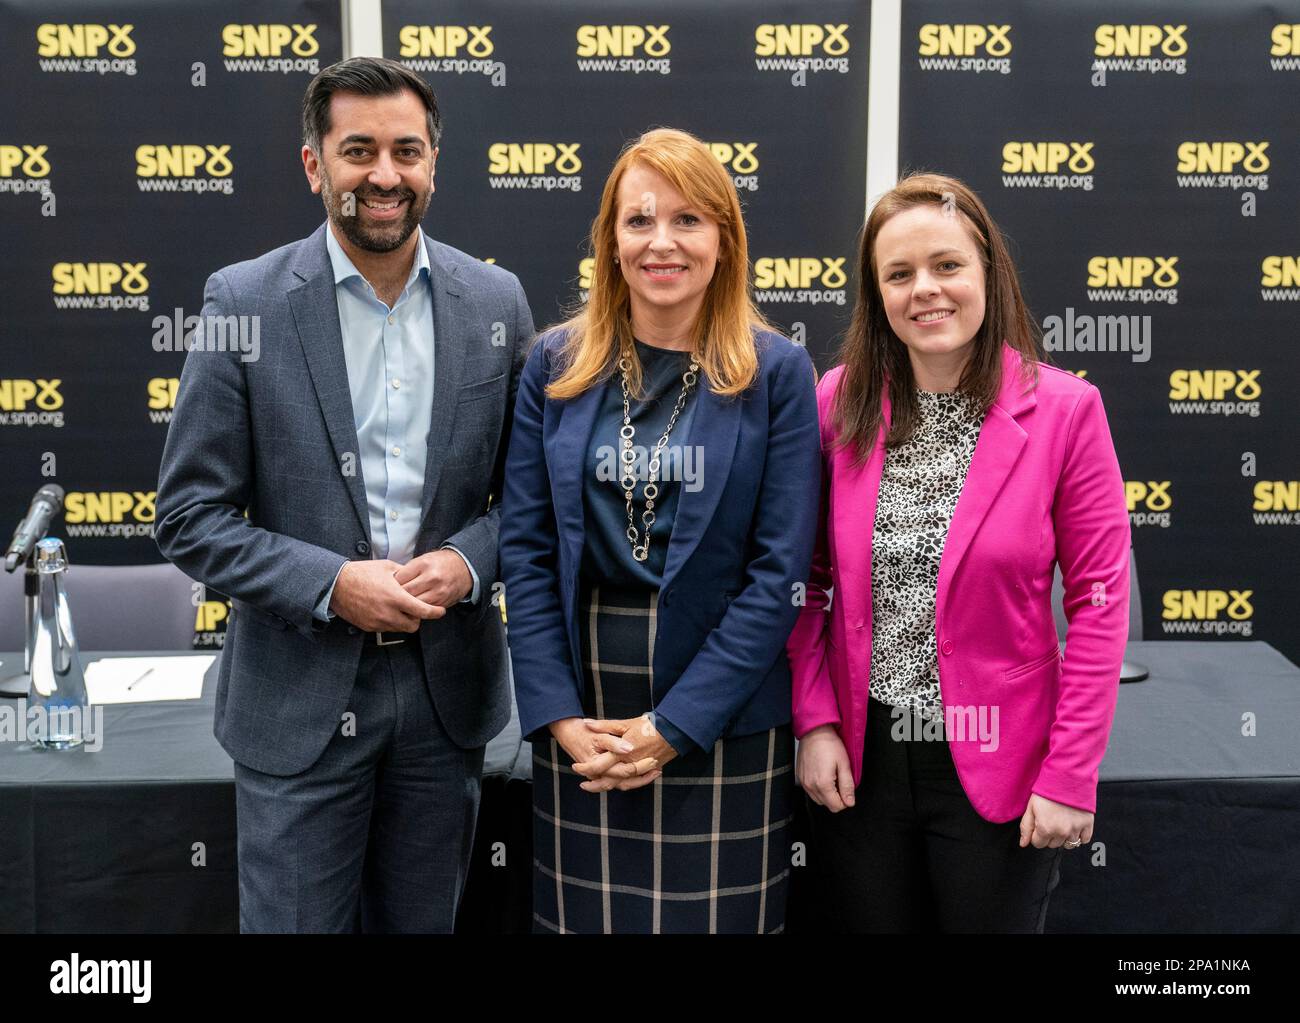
737, 557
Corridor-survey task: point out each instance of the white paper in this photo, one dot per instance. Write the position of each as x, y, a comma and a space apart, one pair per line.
144, 679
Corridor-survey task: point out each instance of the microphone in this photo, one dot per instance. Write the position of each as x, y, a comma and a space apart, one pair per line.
47, 503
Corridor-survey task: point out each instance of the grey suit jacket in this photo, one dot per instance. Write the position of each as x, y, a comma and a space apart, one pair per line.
261, 496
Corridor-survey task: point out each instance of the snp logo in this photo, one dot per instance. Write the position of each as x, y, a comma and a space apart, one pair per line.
15, 395
585, 269
108, 506
1286, 41
182, 161
109, 513
1277, 495
800, 40
61, 40
1140, 40
1148, 502
444, 40
1149, 495
545, 165
533, 157
100, 286
739, 160
269, 40
1212, 612
162, 398
737, 157
162, 392
1222, 157
1047, 157
807, 279
1207, 604
1132, 271
99, 278
1277, 503
1214, 383
964, 40
30, 161
623, 40
31, 403
209, 615
1279, 278
1214, 392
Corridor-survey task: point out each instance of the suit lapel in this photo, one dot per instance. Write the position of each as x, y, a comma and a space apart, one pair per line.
854, 514
569, 462
450, 337
714, 431
997, 450
316, 317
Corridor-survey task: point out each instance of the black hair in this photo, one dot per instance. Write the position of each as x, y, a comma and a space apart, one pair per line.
366, 76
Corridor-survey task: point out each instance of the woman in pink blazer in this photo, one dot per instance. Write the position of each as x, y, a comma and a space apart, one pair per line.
950, 749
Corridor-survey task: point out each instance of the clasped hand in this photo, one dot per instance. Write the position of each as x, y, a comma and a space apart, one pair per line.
383, 596
617, 754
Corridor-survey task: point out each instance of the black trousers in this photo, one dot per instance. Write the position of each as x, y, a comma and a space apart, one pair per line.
913, 856
376, 835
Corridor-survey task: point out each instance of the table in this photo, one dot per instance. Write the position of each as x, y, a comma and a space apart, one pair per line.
1197, 821
139, 837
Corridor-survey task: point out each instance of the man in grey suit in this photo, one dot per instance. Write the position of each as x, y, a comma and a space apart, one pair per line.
338, 484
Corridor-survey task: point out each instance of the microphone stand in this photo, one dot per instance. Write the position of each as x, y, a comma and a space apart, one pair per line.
18, 683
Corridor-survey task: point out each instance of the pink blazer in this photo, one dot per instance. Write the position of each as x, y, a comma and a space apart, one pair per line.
1043, 486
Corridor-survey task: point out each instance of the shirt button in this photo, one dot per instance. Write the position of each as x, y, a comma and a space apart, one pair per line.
390, 319
947, 646
397, 451
393, 515
396, 382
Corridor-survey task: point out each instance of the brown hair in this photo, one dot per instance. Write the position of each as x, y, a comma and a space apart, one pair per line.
872, 354
601, 331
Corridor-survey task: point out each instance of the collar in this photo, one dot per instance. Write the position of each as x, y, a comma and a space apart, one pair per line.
344, 268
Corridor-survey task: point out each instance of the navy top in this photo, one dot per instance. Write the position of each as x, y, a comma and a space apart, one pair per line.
607, 553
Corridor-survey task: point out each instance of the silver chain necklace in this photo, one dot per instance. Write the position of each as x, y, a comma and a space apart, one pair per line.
641, 547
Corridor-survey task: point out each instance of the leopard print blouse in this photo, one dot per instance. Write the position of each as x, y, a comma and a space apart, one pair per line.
919, 487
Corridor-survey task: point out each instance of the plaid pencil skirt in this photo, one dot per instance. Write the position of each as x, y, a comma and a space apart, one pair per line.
703, 849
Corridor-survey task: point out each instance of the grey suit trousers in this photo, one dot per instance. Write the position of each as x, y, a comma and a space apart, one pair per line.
375, 836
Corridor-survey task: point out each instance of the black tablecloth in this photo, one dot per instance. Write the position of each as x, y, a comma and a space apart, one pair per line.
140, 836
1198, 818
1197, 821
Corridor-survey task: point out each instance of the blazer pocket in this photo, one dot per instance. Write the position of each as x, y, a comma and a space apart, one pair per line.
1031, 666
479, 388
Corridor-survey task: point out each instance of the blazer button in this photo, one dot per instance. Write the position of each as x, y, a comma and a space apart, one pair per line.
353, 630
363, 547
947, 646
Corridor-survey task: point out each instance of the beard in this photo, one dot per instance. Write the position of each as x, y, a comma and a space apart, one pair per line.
377, 237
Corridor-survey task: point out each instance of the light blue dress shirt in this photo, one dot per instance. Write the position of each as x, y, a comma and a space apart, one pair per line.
390, 360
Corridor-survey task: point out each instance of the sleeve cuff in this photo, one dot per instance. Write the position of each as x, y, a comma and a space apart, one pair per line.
474, 592
674, 736
322, 612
